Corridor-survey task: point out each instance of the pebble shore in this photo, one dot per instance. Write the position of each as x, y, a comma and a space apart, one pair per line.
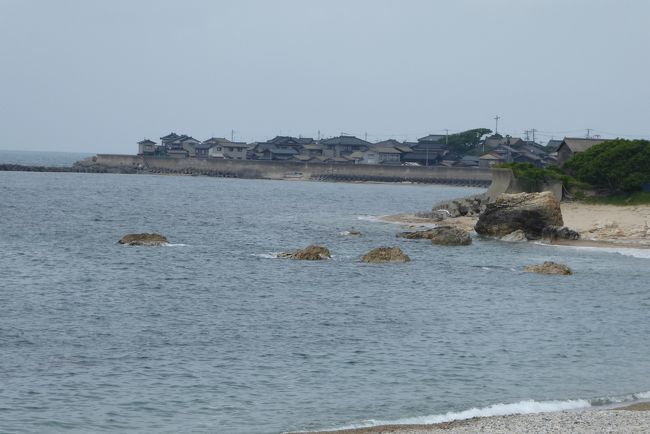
622, 420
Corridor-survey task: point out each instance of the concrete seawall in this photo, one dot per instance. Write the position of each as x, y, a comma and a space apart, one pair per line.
296, 170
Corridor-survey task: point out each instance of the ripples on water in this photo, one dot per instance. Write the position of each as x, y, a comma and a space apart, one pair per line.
212, 335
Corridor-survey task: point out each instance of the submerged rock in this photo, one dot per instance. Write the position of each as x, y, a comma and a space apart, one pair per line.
385, 254
554, 233
549, 267
529, 212
515, 236
351, 233
441, 235
309, 253
144, 240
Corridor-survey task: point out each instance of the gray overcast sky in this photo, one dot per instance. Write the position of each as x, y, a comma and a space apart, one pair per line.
98, 76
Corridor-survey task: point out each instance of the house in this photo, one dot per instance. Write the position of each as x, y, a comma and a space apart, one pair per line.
269, 151
343, 145
312, 150
491, 159
220, 147
168, 139
553, 144
146, 147
571, 146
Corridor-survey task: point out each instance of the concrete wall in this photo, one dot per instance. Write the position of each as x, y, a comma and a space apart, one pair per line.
504, 181
284, 169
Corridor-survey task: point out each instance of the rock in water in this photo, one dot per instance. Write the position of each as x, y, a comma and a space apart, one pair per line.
309, 253
554, 233
441, 235
144, 240
530, 212
385, 254
515, 236
549, 267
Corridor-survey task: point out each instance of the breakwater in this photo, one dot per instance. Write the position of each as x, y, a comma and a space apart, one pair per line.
288, 170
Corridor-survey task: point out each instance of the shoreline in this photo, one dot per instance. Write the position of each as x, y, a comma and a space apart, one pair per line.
622, 417
600, 226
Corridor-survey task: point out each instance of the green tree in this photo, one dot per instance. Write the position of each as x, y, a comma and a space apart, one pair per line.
618, 166
461, 142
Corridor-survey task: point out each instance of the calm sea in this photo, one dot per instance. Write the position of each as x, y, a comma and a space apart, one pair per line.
212, 334
39, 158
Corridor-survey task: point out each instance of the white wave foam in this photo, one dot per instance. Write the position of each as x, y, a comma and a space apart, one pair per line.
373, 218
175, 245
522, 407
272, 255
625, 251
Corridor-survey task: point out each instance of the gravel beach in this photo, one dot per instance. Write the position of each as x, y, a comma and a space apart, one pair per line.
631, 419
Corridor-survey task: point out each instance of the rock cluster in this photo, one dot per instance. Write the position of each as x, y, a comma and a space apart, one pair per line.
144, 240
549, 267
385, 254
441, 235
309, 253
529, 212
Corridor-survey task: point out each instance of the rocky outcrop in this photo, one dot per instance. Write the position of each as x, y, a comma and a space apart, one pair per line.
309, 253
144, 240
529, 212
385, 254
441, 235
549, 267
555, 233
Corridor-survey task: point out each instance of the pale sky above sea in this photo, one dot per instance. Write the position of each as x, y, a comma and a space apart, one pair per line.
98, 76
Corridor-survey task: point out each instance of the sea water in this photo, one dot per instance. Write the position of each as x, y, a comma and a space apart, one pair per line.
212, 334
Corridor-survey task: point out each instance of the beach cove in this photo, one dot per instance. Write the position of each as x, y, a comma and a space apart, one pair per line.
212, 331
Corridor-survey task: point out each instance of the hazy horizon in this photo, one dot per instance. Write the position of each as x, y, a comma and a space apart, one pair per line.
100, 76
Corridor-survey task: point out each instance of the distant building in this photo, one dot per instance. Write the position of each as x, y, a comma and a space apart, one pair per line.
146, 147
571, 146
220, 147
340, 146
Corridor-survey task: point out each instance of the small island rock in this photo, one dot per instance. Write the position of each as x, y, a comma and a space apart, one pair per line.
554, 233
309, 253
549, 267
441, 235
385, 254
515, 236
144, 240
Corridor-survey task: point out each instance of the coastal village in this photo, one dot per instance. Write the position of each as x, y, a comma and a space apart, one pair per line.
430, 150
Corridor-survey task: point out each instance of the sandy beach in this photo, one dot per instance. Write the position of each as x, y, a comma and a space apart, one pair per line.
598, 225
633, 418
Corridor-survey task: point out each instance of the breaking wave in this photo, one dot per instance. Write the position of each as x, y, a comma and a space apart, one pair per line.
521, 407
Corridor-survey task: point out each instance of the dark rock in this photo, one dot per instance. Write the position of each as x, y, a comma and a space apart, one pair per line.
549, 267
554, 233
530, 212
143, 240
385, 254
441, 235
309, 253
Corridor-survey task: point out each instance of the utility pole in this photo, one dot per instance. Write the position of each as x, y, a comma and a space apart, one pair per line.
365, 136
533, 131
446, 138
496, 126
232, 135
526, 132
319, 135
588, 132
